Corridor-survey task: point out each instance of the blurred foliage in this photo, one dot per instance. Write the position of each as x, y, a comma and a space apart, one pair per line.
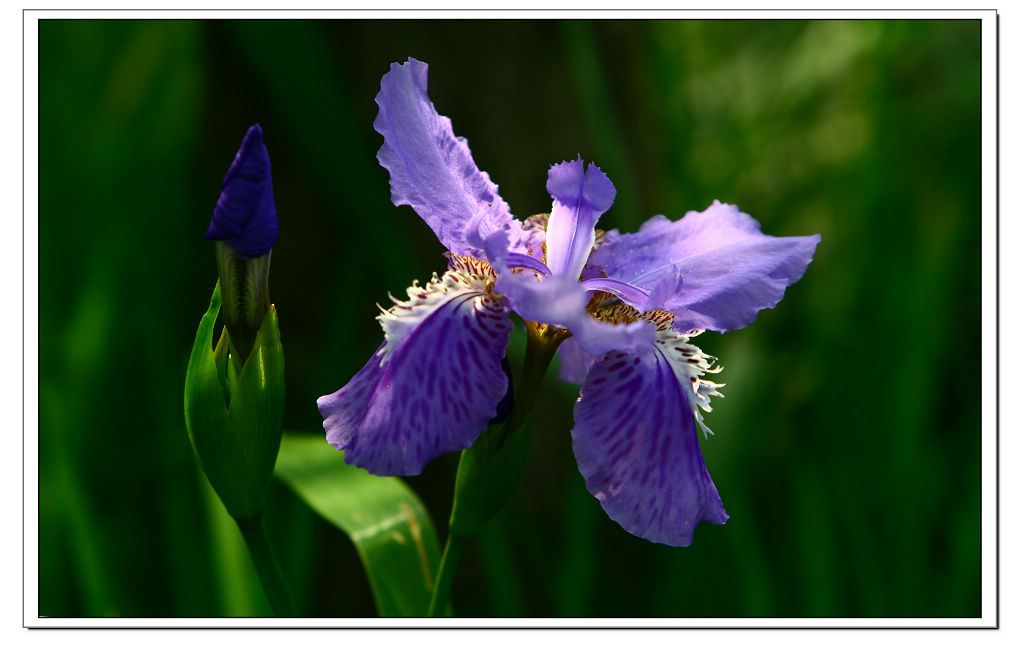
850, 474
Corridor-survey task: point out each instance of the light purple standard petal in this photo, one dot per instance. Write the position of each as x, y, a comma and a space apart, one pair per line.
579, 198
431, 388
431, 169
720, 270
637, 446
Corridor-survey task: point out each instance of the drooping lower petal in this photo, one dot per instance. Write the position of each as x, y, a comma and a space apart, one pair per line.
636, 441
579, 199
718, 265
343, 411
431, 169
432, 387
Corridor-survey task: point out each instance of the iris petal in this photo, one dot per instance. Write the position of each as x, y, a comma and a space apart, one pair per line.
579, 199
432, 388
728, 270
636, 444
431, 169
574, 362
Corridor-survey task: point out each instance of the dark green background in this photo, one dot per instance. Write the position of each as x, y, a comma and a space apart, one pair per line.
846, 449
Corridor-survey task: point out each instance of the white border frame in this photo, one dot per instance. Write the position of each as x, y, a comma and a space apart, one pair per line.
989, 330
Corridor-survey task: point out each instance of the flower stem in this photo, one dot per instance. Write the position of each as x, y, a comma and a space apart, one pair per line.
490, 469
266, 565
542, 344
447, 568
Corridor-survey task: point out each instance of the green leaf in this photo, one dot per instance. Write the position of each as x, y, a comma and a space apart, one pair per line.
389, 526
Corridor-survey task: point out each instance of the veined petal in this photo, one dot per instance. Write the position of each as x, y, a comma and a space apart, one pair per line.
245, 213
435, 383
343, 411
579, 199
722, 269
574, 362
431, 169
637, 445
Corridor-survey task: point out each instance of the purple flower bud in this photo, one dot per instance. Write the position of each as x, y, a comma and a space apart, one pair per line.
245, 215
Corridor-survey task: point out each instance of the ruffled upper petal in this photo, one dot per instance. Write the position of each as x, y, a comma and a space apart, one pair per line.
431, 169
245, 213
636, 442
432, 387
579, 199
713, 269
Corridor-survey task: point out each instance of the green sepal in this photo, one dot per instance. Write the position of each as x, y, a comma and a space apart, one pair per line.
222, 355
235, 423
487, 475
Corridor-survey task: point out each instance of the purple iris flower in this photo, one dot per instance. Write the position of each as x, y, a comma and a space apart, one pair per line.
630, 301
245, 214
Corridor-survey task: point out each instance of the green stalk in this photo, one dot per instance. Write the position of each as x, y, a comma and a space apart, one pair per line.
266, 565
235, 584
490, 469
542, 344
447, 568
